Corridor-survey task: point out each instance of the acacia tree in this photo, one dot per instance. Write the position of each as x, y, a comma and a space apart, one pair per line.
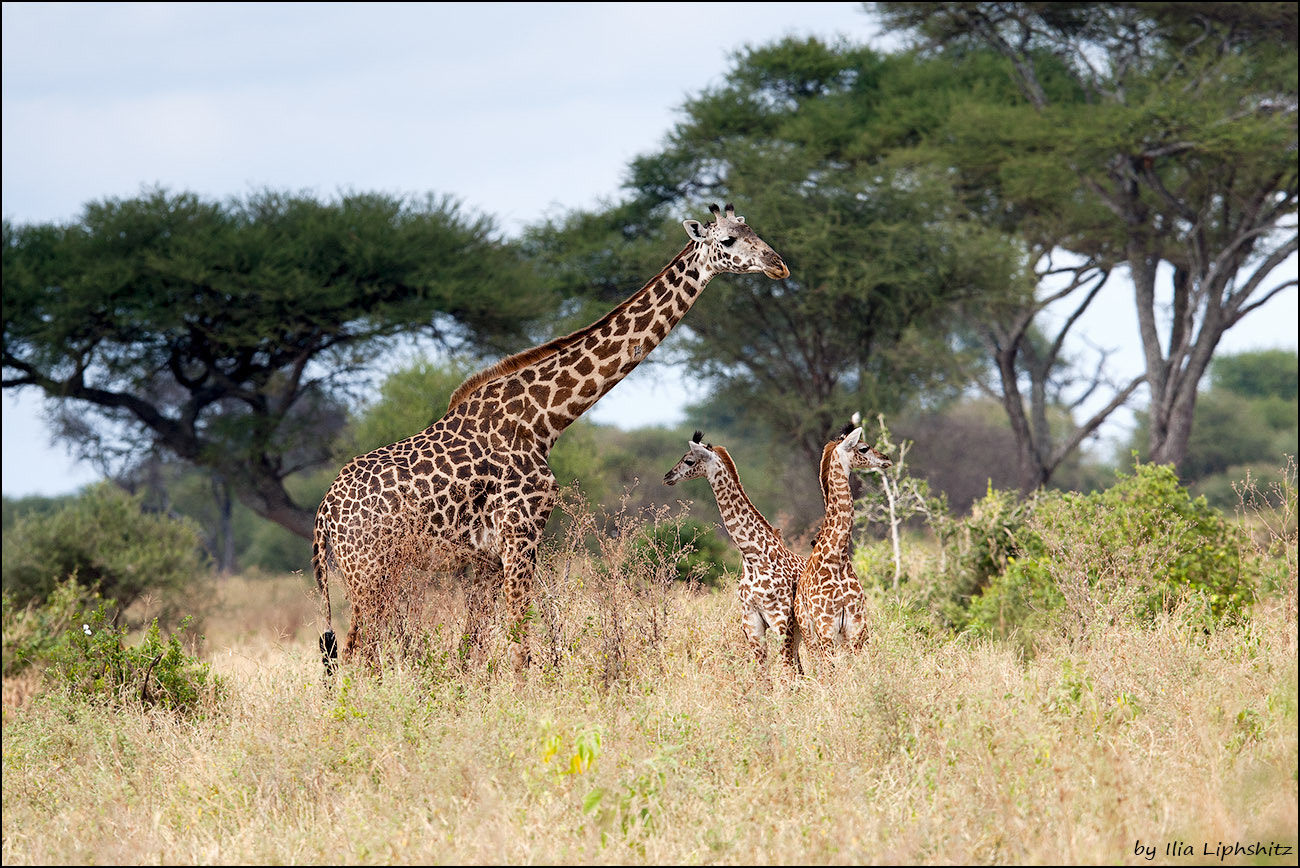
229, 334
895, 188
1043, 423
1180, 121
881, 253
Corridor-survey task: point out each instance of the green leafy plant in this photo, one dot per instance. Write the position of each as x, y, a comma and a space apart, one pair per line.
110, 544
975, 549
1136, 549
33, 631
95, 663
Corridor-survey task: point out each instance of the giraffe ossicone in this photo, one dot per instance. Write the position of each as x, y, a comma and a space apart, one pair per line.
474, 488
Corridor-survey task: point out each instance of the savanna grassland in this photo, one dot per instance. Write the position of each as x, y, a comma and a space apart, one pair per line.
644, 734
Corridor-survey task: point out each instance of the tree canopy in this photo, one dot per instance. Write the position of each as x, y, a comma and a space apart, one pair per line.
797, 136
228, 334
1157, 135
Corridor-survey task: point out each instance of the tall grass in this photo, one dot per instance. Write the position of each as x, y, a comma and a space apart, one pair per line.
644, 733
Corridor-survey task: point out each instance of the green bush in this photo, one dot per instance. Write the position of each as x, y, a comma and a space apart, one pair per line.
33, 631
95, 663
108, 543
1133, 550
978, 548
873, 561
692, 547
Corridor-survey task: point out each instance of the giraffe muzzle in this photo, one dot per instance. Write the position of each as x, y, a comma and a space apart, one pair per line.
779, 271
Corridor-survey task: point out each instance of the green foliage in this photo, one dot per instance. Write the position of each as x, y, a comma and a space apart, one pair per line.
33, 631
105, 541
1257, 374
1246, 420
16, 508
94, 663
228, 334
689, 548
983, 543
1134, 550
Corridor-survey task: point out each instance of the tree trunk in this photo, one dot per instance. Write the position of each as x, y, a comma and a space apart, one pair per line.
224, 544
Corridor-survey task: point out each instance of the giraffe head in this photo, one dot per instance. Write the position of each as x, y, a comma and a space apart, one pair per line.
857, 455
730, 245
694, 464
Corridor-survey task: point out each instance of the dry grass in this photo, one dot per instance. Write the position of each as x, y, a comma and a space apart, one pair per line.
644, 734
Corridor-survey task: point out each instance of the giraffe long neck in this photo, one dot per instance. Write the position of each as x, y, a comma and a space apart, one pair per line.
547, 388
833, 540
746, 525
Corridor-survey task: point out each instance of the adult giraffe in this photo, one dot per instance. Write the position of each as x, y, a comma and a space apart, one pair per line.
475, 487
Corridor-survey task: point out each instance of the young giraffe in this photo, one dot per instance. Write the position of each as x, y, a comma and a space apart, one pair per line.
474, 487
828, 595
769, 570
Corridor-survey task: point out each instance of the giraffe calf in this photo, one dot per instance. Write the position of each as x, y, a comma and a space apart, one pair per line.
769, 571
828, 596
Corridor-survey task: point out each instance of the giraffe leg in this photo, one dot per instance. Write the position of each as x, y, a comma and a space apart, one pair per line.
354, 634
855, 627
519, 540
518, 562
822, 643
751, 621
790, 647
479, 589
782, 622
375, 631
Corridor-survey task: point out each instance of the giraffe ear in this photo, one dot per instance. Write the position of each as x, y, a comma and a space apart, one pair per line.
694, 229
852, 439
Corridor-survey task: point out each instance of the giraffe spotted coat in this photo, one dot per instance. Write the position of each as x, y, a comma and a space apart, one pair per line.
474, 488
828, 596
769, 569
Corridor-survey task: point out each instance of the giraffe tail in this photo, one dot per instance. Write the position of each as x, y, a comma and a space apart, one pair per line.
321, 556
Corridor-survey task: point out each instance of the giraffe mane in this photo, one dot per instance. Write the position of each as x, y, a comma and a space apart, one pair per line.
824, 470
521, 360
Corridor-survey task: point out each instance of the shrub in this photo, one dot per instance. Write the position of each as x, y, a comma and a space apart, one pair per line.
1133, 550
692, 547
33, 631
976, 549
107, 542
94, 662
71, 640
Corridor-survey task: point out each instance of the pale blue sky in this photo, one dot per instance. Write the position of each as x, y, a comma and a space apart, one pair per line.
520, 110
